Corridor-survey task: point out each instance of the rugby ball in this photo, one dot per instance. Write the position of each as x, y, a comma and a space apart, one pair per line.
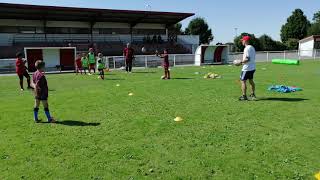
237, 62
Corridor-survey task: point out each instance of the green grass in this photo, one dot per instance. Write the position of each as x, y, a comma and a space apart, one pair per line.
136, 137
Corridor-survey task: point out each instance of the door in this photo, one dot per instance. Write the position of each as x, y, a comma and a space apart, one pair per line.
32, 56
67, 59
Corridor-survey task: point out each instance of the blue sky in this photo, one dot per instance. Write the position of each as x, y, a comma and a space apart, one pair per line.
258, 17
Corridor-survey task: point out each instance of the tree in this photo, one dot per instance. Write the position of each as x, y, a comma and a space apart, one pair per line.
315, 26
296, 27
176, 29
292, 44
316, 17
199, 26
268, 44
253, 41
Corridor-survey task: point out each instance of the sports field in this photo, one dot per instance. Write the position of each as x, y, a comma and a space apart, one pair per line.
105, 134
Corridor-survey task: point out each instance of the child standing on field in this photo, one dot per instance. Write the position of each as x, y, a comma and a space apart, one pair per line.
100, 66
21, 70
165, 63
85, 62
78, 64
41, 92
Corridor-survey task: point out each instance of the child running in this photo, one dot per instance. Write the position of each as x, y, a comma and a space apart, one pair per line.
100, 66
41, 92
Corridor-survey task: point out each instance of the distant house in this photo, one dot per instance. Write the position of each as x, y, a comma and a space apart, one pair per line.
309, 45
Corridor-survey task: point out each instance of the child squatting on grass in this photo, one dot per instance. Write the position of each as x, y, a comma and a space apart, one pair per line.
41, 92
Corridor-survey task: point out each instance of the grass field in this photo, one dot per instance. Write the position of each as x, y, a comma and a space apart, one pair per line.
105, 134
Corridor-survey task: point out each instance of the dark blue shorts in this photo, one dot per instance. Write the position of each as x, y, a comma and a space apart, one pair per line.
245, 75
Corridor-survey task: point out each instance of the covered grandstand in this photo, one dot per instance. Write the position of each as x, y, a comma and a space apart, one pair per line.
106, 30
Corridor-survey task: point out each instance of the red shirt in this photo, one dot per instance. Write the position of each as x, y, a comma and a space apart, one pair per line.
128, 53
78, 62
20, 66
165, 60
41, 86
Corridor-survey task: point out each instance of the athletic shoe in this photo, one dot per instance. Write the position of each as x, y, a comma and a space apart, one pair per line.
253, 97
37, 121
30, 87
22, 89
52, 120
243, 98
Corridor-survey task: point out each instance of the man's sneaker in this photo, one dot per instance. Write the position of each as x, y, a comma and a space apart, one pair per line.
21, 89
52, 120
37, 121
253, 97
243, 98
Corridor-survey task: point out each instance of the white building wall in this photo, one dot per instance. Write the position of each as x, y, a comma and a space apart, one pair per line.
188, 39
51, 57
111, 25
306, 48
149, 26
71, 24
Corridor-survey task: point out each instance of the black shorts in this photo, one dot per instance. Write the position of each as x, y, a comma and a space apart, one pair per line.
245, 75
25, 74
42, 98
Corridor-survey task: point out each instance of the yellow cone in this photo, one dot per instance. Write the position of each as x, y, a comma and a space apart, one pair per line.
118, 85
178, 119
317, 176
130, 94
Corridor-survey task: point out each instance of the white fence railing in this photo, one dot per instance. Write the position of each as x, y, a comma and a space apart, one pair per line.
267, 56
152, 61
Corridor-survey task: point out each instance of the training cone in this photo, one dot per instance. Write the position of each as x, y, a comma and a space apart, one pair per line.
118, 85
178, 119
130, 94
317, 176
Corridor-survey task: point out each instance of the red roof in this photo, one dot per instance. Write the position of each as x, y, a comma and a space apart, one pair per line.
36, 12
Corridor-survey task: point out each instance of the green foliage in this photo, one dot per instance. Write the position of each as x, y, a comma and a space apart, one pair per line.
253, 41
314, 29
316, 17
268, 44
292, 44
220, 137
176, 29
199, 26
296, 26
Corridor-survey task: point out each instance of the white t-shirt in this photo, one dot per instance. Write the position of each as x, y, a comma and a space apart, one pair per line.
250, 53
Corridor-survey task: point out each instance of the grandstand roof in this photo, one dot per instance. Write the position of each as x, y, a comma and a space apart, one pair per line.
54, 13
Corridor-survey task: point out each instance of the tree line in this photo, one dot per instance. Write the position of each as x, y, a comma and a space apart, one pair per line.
296, 28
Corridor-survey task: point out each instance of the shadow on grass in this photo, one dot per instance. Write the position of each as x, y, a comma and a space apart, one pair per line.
283, 99
144, 72
182, 78
73, 123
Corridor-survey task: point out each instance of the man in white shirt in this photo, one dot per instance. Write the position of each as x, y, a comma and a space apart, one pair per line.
248, 69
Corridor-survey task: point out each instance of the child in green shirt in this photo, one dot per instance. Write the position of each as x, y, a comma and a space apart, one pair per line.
85, 62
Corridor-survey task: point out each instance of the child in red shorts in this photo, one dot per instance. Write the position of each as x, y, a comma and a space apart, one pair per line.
21, 70
165, 63
41, 92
